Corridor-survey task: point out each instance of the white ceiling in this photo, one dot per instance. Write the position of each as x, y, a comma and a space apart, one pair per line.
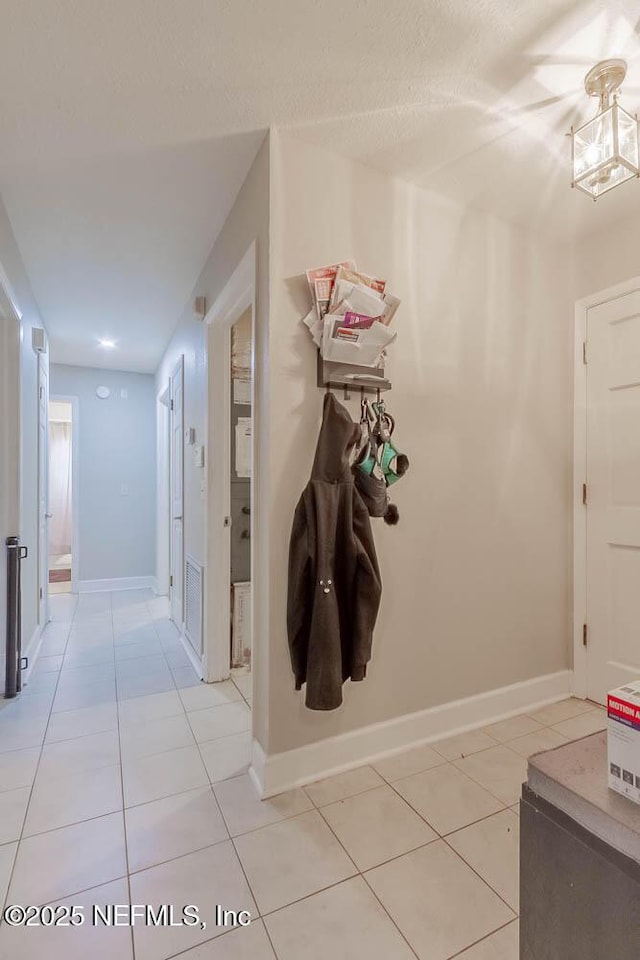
127, 128
113, 244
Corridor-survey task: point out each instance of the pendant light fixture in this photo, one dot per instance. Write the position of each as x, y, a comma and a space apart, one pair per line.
605, 149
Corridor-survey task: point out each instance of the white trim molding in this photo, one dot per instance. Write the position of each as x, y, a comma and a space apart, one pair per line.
190, 652
293, 768
117, 583
75, 483
580, 368
237, 296
32, 652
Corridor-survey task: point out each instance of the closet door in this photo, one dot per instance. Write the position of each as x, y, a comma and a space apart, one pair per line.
613, 494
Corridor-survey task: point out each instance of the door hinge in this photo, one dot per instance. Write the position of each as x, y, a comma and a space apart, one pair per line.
171, 405
171, 581
41, 593
584, 634
584, 494
227, 522
584, 351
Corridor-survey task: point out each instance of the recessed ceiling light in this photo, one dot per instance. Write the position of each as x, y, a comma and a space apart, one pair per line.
107, 344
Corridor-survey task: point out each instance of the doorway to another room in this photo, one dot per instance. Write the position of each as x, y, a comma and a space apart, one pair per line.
234, 547
240, 480
61, 493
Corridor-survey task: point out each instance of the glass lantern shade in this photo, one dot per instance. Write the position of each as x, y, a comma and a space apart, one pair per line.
605, 151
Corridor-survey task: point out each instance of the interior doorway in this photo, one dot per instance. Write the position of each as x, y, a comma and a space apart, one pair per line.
240, 479
176, 539
62, 514
44, 514
234, 547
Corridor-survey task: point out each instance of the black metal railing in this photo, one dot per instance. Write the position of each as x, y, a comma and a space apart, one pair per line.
13, 678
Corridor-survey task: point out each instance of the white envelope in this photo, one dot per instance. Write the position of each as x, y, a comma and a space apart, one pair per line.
314, 325
365, 353
363, 299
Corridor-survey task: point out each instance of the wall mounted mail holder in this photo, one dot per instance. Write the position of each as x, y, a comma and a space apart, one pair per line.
332, 374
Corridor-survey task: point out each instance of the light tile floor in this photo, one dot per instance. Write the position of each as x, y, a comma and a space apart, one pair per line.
123, 779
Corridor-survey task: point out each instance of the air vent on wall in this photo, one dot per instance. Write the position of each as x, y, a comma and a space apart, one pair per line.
193, 604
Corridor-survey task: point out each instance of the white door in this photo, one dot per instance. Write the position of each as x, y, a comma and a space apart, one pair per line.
177, 494
613, 494
43, 490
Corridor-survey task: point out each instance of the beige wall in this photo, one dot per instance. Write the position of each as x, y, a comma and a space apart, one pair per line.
609, 256
247, 222
476, 575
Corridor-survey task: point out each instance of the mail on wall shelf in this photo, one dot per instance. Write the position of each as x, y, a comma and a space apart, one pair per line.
349, 321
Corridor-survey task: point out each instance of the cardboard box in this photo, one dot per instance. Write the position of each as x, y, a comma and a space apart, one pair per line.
623, 738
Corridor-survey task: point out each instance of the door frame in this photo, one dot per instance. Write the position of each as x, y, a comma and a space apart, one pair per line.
10, 369
43, 464
178, 368
581, 350
75, 484
10, 433
163, 513
238, 295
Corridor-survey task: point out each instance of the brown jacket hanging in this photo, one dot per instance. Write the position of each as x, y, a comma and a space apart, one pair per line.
334, 581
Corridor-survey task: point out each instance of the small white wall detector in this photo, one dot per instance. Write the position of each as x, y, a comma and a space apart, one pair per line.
199, 308
39, 340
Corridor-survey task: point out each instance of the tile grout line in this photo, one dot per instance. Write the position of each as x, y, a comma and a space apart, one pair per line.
237, 855
214, 939
437, 837
35, 775
123, 808
460, 955
471, 823
360, 873
124, 818
516, 913
92, 770
317, 808
443, 837
232, 840
226, 826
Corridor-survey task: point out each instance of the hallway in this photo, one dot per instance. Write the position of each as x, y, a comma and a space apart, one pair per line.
114, 716
123, 780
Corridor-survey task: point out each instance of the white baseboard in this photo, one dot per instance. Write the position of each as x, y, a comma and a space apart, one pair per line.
293, 768
257, 769
190, 652
117, 583
32, 651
